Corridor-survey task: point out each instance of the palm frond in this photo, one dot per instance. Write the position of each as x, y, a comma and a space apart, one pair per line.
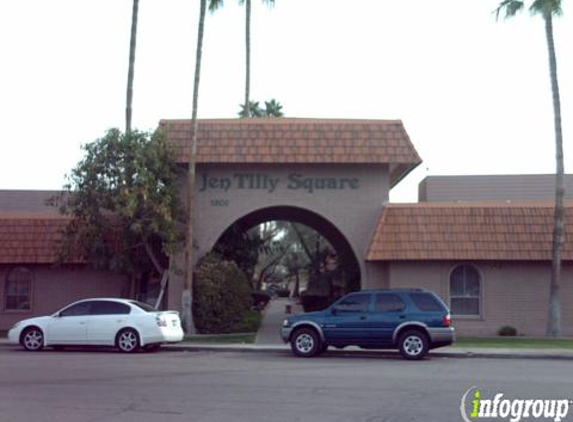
510, 7
546, 7
215, 4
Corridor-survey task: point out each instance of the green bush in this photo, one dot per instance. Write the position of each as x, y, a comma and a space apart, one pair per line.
311, 303
221, 295
250, 323
507, 331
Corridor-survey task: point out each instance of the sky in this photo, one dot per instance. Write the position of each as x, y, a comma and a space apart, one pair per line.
474, 93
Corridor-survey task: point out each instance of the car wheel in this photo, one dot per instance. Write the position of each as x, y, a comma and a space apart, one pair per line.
32, 339
305, 343
413, 345
127, 340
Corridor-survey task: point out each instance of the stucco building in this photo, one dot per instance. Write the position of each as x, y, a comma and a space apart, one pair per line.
487, 257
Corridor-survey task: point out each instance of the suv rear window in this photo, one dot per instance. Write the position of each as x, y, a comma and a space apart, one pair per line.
426, 302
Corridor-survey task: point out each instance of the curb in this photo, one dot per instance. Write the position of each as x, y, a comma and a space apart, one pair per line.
350, 352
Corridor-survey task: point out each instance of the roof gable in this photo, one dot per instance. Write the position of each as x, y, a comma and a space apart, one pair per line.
303, 141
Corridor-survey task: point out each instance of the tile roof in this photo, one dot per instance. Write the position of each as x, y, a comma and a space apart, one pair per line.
303, 141
470, 231
30, 238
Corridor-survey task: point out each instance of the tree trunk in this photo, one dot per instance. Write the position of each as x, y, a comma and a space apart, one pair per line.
248, 58
160, 270
186, 299
130, 72
296, 293
554, 317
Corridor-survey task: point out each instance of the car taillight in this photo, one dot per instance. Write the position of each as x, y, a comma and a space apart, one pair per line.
447, 320
160, 322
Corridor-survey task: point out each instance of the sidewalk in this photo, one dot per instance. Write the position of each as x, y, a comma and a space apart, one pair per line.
273, 316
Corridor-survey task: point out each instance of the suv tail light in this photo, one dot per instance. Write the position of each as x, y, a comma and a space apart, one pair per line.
447, 320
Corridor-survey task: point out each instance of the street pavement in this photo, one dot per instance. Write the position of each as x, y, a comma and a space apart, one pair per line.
205, 386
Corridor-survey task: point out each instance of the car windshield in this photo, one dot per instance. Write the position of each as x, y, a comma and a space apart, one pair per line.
145, 306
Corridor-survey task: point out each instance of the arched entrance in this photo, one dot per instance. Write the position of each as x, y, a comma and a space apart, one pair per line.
342, 277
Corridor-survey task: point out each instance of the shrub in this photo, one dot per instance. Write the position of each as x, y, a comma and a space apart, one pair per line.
311, 303
250, 323
507, 331
260, 299
221, 295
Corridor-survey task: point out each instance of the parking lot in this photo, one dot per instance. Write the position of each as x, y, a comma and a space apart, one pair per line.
102, 385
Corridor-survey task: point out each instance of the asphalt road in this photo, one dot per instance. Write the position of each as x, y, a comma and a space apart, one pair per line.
94, 385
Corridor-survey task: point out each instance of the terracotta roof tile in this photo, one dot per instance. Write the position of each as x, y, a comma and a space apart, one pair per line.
30, 238
476, 231
305, 141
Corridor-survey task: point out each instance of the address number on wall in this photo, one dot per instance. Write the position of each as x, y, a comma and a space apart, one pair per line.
219, 202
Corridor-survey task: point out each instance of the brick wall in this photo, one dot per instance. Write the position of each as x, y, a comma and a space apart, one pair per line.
513, 293
55, 287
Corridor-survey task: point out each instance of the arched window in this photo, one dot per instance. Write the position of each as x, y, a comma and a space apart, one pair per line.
465, 291
18, 289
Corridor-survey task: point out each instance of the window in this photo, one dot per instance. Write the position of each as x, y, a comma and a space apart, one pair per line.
426, 302
79, 309
465, 290
102, 307
389, 302
145, 306
354, 304
19, 290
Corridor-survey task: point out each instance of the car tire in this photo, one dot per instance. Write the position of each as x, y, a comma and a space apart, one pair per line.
127, 340
305, 343
32, 339
413, 344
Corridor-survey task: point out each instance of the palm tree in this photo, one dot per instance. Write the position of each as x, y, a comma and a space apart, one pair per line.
248, 50
131, 67
273, 108
547, 9
186, 294
214, 5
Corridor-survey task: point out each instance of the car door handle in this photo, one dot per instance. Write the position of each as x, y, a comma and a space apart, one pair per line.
362, 318
402, 317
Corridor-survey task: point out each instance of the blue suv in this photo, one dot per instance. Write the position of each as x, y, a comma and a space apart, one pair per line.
410, 320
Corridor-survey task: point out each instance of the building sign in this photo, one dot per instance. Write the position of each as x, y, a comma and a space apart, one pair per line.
268, 183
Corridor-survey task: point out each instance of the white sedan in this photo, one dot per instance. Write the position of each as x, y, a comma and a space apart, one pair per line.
127, 324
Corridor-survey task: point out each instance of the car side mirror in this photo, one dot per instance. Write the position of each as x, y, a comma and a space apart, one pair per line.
333, 310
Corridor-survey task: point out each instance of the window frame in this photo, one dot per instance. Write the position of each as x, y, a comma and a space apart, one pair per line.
8, 282
479, 296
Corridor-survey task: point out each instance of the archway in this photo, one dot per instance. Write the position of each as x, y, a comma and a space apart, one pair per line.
334, 279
